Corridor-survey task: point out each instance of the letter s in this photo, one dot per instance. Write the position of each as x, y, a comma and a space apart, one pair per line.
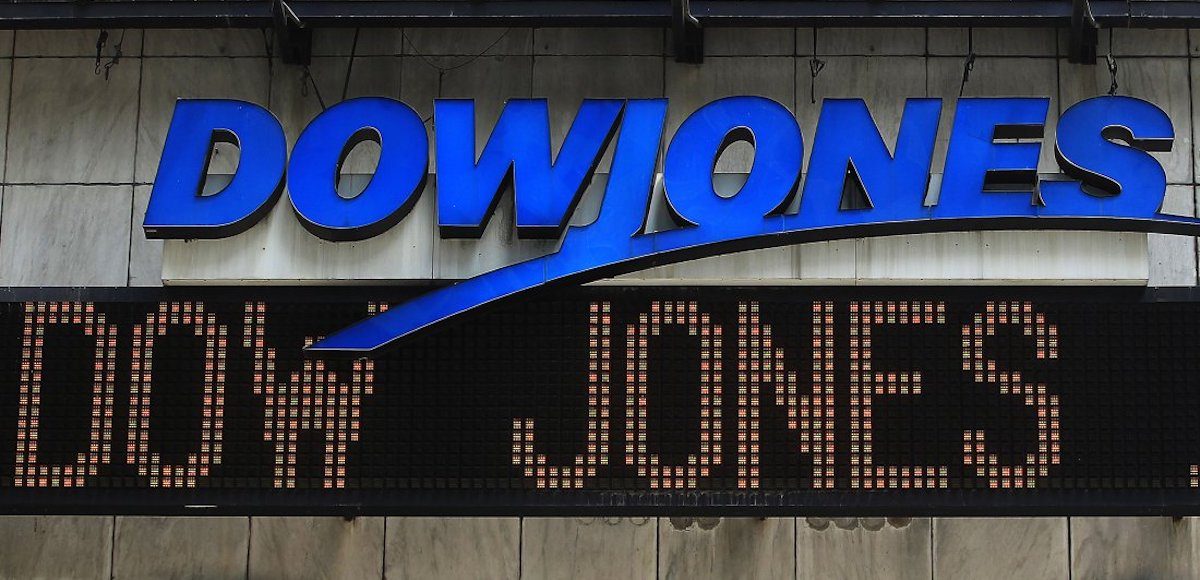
1118, 179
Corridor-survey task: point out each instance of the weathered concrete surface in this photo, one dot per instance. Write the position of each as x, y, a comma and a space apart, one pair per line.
316, 547
421, 548
70, 125
181, 547
1148, 547
165, 80
868, 41
586, 548
851, 548
726, 548
1000, 548
80, 43
206, 42
65, 235
145, 256
56, 547
598, 41
1162, 81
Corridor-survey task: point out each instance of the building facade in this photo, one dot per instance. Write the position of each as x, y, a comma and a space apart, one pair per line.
83, 137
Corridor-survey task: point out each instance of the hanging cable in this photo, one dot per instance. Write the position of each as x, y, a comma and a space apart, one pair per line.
815, 66
308, 80
268, 47
969, 63
350, 65
442, 70
1112, 65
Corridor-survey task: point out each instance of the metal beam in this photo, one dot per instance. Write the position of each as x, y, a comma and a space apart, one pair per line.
638, 13
687, 33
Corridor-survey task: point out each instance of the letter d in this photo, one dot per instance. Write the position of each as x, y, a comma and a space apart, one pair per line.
177, 209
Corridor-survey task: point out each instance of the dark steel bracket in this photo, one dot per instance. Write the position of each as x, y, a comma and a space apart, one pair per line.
686, 33
293, 41
1085, 33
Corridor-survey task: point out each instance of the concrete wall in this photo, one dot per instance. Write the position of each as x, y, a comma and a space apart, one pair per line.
80, 150
600, 548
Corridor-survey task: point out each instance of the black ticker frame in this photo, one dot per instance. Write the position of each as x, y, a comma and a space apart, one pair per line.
350, 502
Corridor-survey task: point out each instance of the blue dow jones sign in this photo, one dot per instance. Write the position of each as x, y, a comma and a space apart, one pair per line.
856, 185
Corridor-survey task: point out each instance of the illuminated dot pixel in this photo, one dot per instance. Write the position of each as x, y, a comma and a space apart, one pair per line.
975, 454
38, 315
637, 380
535, 465
212, 422
810, 415
866, 382
311, 399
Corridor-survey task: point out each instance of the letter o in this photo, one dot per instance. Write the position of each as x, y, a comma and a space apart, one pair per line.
699, 142
322, 148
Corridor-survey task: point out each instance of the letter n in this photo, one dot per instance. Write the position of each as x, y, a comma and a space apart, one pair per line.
761, 363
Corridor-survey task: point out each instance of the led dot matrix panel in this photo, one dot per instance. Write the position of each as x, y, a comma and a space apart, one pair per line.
605, 400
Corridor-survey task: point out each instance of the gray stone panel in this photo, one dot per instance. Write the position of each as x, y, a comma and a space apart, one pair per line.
1173, 258
1145, 42
588, 548
691, 86
750, 42
1001, 548
145, 256
827, 262
598, 41
497, 247
5, 77
1194, 42
489, 80
206, 42
727, 548
70, 125
279, 248
1003, 257
56, 547
994, 77
883, 82
870, 41
421, 548
295, 102
82, 43
853, 548
1162, 81
1014, 42
166, 80
181, 547
805, 42
65, 235
948, 41
567, 80
316, 547
771, 265
371, 42
469, 42
1133, 547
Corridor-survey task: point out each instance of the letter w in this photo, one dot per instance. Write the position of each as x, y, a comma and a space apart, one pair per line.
518, 153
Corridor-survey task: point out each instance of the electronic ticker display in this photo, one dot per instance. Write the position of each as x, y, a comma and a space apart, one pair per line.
601, 400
